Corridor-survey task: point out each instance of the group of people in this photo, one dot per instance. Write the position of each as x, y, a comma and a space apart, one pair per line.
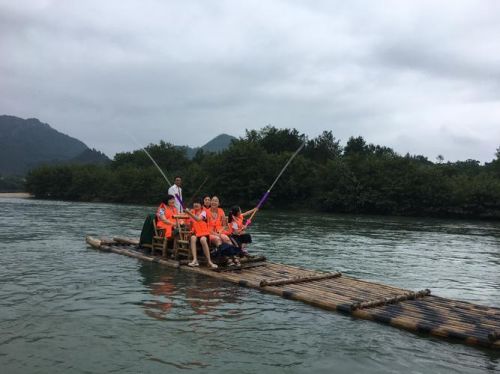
209, 226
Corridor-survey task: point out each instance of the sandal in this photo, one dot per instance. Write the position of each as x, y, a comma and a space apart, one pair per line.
212, 266
237, 262
230, 262
193, 264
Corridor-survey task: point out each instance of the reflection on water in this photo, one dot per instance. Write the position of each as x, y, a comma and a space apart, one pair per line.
68, 309
201, 295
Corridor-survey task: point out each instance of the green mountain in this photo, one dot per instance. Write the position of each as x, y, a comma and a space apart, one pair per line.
27, 143
217, 144
90, 156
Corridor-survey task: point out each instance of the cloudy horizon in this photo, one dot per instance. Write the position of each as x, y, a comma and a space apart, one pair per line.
420, 77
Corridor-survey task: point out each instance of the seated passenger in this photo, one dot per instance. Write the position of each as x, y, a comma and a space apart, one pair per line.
207, 203
165, 220
201, 233
216, 220
237, 227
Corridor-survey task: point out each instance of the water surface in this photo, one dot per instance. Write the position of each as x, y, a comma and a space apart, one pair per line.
66, 308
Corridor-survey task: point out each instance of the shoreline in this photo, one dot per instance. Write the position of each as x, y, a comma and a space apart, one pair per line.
19, 195
27, 195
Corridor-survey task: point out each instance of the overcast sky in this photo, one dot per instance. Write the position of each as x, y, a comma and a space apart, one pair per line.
419, 76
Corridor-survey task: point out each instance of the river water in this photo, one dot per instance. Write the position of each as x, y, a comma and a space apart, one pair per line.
65, 308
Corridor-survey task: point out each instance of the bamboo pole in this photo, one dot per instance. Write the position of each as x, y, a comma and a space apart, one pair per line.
98, 244
124, 240
393, 300
281, 282
437, 320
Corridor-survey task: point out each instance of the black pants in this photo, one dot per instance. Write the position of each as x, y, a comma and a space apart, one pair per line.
241, 239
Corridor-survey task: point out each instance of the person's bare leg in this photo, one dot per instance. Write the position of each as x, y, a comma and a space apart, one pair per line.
206, 251
215, 240
194, 251
225, 239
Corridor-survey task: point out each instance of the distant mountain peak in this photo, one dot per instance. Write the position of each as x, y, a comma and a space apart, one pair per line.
27, 143
217, 144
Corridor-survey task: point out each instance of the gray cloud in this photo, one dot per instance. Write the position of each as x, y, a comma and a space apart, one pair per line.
421, 77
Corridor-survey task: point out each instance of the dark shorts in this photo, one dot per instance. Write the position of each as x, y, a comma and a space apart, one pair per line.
242, 239
226, 250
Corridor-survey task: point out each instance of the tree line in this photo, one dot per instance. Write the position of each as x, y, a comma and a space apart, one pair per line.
355, 178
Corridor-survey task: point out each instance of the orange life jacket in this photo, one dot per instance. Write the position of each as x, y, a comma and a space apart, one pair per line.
239, 223
168, 213
215, 224
200, 228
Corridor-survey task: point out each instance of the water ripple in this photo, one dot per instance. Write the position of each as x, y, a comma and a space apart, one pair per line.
66, 308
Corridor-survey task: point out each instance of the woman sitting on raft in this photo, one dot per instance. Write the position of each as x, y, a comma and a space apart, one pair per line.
201, 233
165, 220
216, 220
237, 228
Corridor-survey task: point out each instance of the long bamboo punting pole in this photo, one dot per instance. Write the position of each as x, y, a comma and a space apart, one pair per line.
191, 200
268, 192
150, 157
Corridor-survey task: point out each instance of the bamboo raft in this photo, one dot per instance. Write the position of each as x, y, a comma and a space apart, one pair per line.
419, 311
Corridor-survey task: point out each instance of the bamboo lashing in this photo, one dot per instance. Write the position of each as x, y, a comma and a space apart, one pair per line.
281, 282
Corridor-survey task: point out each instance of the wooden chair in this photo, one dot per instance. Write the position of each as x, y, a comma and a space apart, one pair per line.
182, 239
159, 241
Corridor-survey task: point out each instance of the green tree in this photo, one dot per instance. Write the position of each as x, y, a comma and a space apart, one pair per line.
356, 146
323, 148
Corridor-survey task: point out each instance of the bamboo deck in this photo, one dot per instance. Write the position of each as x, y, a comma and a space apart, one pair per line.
413, 311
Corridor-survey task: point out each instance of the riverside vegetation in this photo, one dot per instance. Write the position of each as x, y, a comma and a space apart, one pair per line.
356, 178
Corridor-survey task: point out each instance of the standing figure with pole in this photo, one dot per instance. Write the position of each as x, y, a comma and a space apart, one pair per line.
176, 190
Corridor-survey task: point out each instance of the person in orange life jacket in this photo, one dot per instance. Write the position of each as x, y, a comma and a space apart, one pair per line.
165, 215
207, 200
216, 220
201, 233
237, 227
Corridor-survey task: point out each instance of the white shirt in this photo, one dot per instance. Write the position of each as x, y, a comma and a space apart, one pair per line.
175, 190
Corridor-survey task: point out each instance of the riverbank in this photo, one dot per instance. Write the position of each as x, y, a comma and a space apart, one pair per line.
17, 195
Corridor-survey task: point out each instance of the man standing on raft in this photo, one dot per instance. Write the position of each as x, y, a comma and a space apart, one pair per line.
176, 191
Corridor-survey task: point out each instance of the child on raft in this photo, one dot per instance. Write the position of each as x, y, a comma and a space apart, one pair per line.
237, 227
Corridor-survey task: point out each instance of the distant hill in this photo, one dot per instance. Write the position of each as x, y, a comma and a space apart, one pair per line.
27, 143
90, 156
217, 144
